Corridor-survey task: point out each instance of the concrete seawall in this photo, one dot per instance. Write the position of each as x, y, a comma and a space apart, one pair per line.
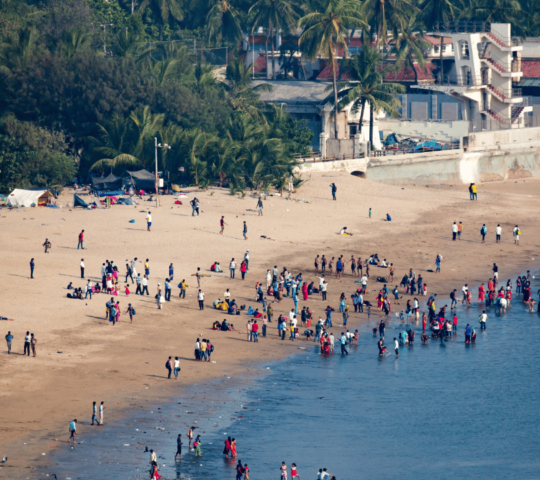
489, 160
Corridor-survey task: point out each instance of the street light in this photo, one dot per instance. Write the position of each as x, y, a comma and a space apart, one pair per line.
158, 145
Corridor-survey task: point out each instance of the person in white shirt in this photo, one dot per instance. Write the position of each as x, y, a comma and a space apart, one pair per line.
227, 296
145, 285
482, 320
321, 281
148, 221
268, 279
291, 314
232, 267
396, 347
465, 291
498, 232
324, 289
176, 367
454, 231
200, 297
294, 321
82, 267
134, 267
246, 258
332, 339
364, 284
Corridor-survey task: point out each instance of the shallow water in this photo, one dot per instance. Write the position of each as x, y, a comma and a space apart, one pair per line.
438, 411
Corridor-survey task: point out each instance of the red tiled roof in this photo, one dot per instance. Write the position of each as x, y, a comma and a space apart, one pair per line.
530, 68
403, 75
437, 40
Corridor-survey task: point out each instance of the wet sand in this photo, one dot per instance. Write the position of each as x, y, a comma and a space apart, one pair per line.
124, 365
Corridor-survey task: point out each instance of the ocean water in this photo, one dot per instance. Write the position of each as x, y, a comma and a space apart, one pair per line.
439, 411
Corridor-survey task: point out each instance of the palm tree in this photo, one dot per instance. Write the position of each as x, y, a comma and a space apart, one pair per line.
411, 47
72, 42
434, 11
366, 85
223, 24
204, 76
530, 17
113, 145
242, 95
18, 51
261, 162
274, 16
384, 15
326, 31
494, 11
164, 8
125, 44
146, 125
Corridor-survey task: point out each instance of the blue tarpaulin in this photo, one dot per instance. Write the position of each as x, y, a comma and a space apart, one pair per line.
433, 145
115, 193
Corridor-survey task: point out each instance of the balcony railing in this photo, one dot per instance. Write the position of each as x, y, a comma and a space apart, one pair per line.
461, 80
462, 26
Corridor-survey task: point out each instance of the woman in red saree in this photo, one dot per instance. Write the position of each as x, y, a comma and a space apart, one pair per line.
305, 291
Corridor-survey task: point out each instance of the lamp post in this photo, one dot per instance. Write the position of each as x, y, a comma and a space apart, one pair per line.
158, 145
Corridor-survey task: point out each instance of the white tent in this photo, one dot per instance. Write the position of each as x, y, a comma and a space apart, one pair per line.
25, 198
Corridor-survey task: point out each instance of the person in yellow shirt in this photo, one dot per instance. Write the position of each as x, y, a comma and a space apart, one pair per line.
459, 230
474, 191
204, 346
183, 286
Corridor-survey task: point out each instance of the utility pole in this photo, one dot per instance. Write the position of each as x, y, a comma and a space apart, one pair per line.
158, 145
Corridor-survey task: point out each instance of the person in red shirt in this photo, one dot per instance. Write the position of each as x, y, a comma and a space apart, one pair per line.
81, 238
481, 293
222, 225
454, 324
255, 331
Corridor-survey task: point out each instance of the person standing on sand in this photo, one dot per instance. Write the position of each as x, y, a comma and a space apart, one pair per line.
82, 267
244, 231
460, 230
32, 266
222, 225
101, 408
168, 366
9, 339
334, 190
517, 233
176, 369
33, 344
200, 297
148, 221
260, 206
454, 231
47, 245
498, 232
179, 444
474, 191
81, 239
72, 431
232, 268
27, 339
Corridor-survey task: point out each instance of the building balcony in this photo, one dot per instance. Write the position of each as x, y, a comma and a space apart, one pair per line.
507, 95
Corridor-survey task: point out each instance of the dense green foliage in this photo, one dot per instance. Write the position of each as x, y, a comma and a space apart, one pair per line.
86, 85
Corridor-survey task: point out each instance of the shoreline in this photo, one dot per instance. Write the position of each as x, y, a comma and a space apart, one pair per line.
100, 364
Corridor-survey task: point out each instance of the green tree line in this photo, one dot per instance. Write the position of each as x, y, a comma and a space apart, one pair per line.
86, 85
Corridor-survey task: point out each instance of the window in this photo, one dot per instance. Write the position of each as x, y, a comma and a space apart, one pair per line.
437, 49
354, 50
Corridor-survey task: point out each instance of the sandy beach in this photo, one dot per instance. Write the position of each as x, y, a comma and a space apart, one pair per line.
82, 358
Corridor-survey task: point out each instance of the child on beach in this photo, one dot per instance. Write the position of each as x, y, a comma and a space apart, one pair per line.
294, 472
246, 472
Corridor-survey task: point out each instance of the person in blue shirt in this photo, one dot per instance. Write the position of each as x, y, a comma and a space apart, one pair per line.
343, 341
329, 311
72, 431
171, 272
339, 267
468, 334
388, 218
334, 190
288, 285
385, 291
32, 265
9, 339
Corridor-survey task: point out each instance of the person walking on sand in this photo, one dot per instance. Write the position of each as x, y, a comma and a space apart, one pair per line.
260, 206
72, 431
148, 221
460, 230
179, 444
222, 225
232, 268
454, 231
81, 239
32, 266
82, 267
27, 339
94, 414
244, 232
9, 339
168, 366
47, 245
517, 233
101, 408
334, 190
483, 232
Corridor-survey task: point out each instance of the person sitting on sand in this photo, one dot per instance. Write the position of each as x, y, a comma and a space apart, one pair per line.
344, 232
388, 218
216, 325
213, 267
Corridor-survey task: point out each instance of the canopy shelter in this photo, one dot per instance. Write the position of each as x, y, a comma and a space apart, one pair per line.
143, 179
79, 202
27, 198
110, 182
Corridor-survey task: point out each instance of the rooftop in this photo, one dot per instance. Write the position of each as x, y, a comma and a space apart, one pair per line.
295, 92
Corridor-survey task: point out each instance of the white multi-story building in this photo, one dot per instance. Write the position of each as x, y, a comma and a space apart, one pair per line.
484, 74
